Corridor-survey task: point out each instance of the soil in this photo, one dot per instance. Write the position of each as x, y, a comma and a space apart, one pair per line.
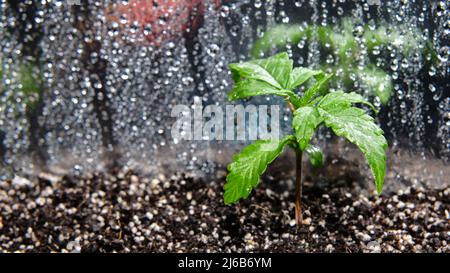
125, 212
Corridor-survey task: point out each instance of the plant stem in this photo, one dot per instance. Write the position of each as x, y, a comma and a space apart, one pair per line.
291, 107
298, 179
298, 188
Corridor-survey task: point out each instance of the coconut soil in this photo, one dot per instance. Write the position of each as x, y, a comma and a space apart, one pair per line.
125, 212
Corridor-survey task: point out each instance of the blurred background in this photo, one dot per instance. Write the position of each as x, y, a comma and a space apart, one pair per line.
89, 85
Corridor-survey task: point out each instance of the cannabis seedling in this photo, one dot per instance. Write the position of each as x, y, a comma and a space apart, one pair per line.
335, 110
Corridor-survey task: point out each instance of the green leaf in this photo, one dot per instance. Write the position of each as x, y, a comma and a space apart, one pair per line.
314, 101
300, 75
359, 128
252, 71
279, 66
315, 155
248, 166
305, 121
250, 88
340, 100
263, 77
311, 92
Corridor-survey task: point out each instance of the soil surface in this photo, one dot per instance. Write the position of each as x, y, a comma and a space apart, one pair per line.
123, 212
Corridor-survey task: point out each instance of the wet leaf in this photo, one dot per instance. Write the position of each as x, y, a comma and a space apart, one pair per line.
360, 129
269, 76
315, 89
251, 88
339, 100
315, 155
300, 75
247, 167
252, 71
305, 121
279, 66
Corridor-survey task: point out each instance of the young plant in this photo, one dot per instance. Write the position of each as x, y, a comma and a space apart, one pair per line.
336, 110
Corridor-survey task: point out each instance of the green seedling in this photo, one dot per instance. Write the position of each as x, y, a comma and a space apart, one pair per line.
313, 108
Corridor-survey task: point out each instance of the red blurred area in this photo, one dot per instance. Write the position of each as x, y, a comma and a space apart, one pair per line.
161, 20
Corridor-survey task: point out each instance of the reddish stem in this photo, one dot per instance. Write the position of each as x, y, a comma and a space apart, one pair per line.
298, 188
